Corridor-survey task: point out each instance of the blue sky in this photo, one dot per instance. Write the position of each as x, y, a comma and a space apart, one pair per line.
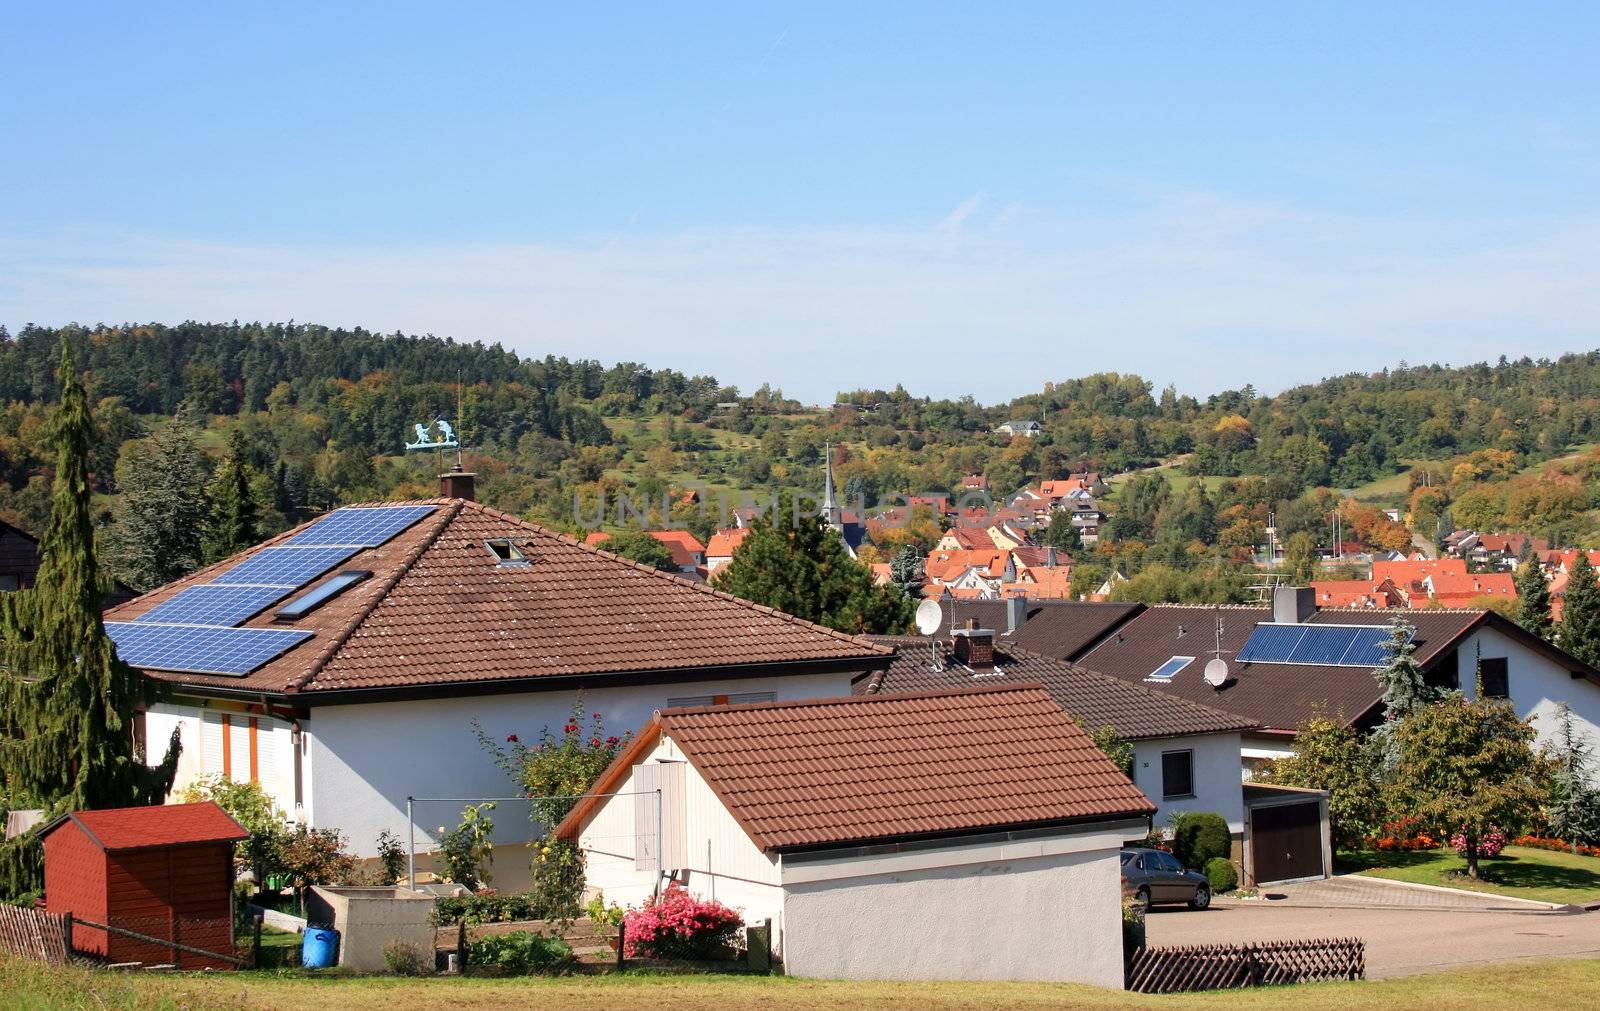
961, 199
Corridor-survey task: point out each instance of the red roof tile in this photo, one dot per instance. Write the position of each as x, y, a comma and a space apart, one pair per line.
129, 828
835, 772
441, 610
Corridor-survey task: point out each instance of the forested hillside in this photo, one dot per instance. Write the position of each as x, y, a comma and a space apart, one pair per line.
296, 418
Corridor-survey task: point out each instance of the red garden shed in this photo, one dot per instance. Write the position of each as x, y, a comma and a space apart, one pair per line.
164, 871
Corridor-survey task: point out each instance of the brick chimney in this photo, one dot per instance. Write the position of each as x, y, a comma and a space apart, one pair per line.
974, 647
456, 483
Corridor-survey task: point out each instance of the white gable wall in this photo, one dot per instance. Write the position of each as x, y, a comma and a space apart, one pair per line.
1218, 784
1537, 685
366, 759
201, 732
721, 861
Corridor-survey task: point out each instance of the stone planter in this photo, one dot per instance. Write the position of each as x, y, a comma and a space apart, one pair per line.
367, 919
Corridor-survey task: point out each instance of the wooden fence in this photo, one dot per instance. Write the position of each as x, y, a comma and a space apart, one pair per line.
1229, 966
35, 934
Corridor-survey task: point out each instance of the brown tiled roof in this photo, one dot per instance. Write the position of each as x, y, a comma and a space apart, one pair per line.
1280, 696
1095, 700
440, 610
835, 772
1062, 629
130, 828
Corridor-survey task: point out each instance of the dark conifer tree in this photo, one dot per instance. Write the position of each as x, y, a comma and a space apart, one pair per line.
67, 703
1533, 599
1579, 633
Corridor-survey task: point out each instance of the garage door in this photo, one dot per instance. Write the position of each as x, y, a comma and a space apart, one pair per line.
1286, 842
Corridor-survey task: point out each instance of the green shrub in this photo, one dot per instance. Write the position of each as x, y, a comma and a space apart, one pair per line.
476, 909
1198, 837
1220, 872
521, 951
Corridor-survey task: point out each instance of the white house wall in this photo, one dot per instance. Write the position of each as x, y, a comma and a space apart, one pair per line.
1218, 784
201, 734
1537, 685
368, 758
1036, 910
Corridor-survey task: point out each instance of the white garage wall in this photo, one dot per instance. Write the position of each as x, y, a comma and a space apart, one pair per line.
1042, 910
368, 758
1218, 784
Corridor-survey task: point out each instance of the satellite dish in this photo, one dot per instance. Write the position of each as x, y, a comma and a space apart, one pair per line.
929, 617
1216, 672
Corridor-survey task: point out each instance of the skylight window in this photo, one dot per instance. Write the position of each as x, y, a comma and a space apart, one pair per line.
312, 599
505, 552
1170, 669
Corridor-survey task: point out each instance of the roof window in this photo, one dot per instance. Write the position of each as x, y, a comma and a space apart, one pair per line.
312, 599
505, 552
1170, 669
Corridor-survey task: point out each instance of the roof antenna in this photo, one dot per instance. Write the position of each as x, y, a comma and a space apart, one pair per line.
1216, 673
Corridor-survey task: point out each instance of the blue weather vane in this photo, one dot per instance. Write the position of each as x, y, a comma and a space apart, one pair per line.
425, 440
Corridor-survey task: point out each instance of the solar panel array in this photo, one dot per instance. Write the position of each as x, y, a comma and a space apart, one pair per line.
288, 567
214, 604
1328, 645
195, 631
366, 526
200, 649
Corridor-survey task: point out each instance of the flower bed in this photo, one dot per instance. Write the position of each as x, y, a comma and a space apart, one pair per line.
1404, 833
1489, 846
1556, 845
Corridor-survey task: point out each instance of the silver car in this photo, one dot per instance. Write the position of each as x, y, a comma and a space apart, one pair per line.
1155, 877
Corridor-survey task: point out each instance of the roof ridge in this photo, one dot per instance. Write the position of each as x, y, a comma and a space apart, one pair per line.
1004, 686
337, 642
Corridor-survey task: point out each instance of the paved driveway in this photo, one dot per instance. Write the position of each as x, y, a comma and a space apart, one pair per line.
1400, 941
1354, 890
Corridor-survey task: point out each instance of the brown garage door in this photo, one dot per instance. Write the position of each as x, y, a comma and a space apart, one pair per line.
1286, 841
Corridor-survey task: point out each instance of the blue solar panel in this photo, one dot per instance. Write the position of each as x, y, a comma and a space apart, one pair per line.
1272, 643
200, 650
1336, 645
212, 604
291, 567
1367, 649
309, 601
368, 526
1323, 645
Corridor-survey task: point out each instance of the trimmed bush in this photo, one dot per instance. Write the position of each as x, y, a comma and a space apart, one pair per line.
487, 908
1220, 872
1198, 837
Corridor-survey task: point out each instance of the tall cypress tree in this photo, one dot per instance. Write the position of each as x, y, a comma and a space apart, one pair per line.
66, 701
1533, 599
235, 514
1579, 633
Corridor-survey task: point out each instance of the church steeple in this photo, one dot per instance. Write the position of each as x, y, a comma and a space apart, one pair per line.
832, 515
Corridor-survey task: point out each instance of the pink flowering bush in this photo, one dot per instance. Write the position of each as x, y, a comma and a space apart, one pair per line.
1489, 846
678, 925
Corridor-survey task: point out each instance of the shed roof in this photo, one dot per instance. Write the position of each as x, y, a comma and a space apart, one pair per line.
835, 772
132, 828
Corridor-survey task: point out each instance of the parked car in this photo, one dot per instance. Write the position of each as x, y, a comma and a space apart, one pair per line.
1154, 878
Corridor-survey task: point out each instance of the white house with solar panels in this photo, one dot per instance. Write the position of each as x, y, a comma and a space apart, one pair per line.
345, 665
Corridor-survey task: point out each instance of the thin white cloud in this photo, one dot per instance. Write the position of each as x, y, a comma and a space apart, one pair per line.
1197, 290
953, 221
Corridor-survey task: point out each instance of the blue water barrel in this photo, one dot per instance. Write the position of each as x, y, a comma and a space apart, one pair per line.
320, 949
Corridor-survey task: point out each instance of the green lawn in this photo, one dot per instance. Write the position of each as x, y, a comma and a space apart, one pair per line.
1522, 872
1548, 984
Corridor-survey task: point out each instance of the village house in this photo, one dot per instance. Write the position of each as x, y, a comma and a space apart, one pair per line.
723, 543
880, 813
1292, 659
1025, 428
688, 554
345, 664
